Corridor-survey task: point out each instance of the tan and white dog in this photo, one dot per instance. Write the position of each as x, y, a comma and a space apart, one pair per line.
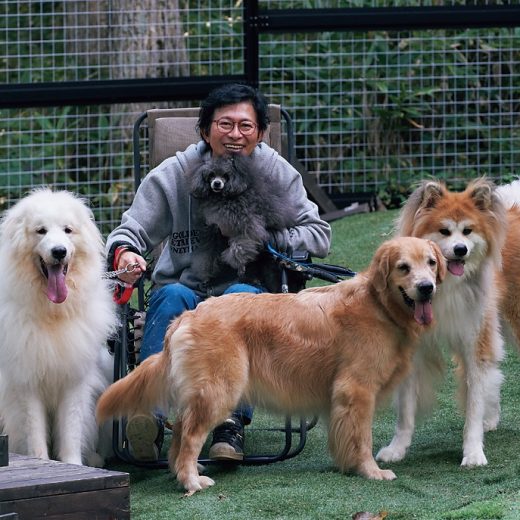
478, 231
333, 351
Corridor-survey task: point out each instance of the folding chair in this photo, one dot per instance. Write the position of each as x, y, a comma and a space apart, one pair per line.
167, 131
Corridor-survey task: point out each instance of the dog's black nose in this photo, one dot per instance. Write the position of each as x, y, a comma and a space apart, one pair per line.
425, 289
460, 250
59, 252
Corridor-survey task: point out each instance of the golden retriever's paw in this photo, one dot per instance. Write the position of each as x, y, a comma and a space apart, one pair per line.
391, 454
383, 474
477, 458
378, 474
197, 484
372, 471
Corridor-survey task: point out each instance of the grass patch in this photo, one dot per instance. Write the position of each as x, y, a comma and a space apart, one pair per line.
431, 485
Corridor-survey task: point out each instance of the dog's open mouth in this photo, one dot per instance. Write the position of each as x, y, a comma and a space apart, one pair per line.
456, 267
56, 287
422, 310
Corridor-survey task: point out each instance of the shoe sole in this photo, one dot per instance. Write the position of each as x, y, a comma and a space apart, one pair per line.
141, 432
222, 451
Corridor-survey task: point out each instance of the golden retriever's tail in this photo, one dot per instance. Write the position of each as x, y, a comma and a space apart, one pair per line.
141, 391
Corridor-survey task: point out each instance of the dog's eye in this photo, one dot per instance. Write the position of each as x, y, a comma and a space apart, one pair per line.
41, 231
67, 230
467, 231
444, 231
432, 262
404, 268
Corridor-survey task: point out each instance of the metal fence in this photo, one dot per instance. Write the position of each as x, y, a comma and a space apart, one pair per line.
375, 107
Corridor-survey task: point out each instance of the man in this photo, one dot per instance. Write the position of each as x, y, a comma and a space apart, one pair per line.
232, 120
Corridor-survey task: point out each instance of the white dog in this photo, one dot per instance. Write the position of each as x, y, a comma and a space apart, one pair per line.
56, 313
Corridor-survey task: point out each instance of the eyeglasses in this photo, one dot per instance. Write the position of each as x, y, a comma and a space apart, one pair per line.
226, 126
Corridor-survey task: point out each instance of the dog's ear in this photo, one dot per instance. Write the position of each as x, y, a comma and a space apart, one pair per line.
425, 196
198, 185
442, 267
12, 224
484, 194
238, 177
432, 192
481, 191
381, 266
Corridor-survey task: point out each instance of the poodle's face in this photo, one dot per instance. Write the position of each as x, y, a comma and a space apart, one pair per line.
221, 178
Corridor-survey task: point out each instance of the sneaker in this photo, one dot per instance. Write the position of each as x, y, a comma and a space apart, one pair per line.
145, 434
228, 441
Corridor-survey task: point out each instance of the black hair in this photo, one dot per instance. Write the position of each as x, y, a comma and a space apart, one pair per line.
232, 94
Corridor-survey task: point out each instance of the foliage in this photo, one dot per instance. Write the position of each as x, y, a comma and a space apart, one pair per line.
374, 111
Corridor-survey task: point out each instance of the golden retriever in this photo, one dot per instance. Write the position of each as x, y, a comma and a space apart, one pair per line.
332, 351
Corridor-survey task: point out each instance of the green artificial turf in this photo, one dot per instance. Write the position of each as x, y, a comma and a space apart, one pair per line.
430, 483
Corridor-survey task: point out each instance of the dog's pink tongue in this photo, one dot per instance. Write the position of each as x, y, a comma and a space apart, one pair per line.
456, 267
423, 313
56, 287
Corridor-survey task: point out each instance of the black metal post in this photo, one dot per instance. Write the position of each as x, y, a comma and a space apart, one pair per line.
251, 42
4, 450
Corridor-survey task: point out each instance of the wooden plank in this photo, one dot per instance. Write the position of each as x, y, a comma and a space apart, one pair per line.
93, 505
35, 488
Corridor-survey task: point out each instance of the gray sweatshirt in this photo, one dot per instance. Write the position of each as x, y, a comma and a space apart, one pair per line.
164, 212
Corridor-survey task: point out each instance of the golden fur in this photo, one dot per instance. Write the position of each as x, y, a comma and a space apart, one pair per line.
333, 351
508, 279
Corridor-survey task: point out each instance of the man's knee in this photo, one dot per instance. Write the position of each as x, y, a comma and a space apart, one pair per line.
243, 288
176, 297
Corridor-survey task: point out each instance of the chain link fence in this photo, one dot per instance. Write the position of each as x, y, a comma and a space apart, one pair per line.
375, 110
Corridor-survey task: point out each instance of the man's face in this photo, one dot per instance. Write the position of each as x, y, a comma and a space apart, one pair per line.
234, 118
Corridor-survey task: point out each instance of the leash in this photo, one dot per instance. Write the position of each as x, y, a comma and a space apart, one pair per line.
122, 290
114, 274
328, 272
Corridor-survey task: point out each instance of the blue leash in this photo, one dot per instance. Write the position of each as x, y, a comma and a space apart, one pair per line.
327, 272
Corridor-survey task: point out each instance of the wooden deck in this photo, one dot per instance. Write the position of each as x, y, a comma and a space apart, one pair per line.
42, 489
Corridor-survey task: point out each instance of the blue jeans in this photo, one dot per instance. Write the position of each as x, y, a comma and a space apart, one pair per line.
171, 301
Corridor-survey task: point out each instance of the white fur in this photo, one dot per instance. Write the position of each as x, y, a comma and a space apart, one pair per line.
54, 361
510, 193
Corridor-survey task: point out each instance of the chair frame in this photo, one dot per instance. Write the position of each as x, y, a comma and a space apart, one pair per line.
294, 435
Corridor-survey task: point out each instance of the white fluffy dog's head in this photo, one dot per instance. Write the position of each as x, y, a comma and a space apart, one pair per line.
47, 239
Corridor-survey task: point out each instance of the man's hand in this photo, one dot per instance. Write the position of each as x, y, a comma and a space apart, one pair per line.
127, 258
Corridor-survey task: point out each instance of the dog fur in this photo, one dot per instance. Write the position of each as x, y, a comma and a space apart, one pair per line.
56, 313
507, 278
470, 229
238, 208
333, 351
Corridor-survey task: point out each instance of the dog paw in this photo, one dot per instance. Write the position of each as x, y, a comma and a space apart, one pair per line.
477, 458
372, 471
390, 454
197, 484
384, 474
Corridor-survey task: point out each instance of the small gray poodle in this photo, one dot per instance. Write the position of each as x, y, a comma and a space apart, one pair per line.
239, 209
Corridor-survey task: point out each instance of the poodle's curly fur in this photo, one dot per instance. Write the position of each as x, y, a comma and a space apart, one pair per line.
239, 208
